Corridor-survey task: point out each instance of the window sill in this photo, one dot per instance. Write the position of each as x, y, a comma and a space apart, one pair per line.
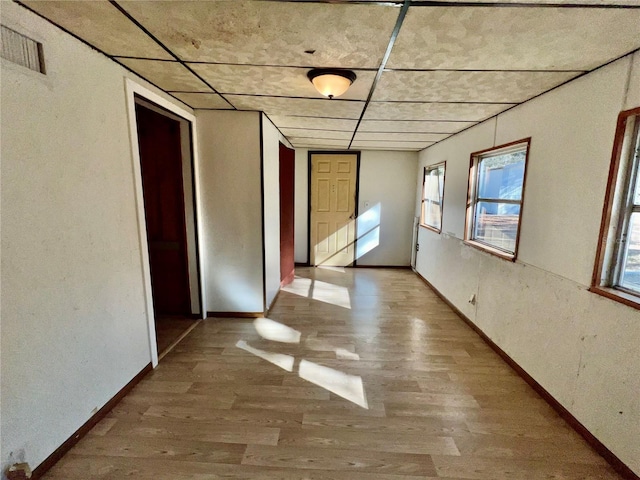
618, 295
490, 250
433, 229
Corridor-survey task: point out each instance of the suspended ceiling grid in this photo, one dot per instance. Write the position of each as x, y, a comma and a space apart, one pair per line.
426, 70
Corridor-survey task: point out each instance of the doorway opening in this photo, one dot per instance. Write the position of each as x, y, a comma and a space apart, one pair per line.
333, 208
165, 149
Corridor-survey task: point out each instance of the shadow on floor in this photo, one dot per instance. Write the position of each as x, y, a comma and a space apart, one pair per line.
170, 330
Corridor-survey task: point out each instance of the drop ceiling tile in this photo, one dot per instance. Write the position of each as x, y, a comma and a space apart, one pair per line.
381, 145
203, 100
467, 112
412, 126
275, 81
481, 38
469, 86
319, 143
100, 24
318, 123
326, 134
167, 75
298, 106
400, 137
270, 33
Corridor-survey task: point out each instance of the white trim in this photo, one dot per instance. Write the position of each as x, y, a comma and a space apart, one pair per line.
131, 89
199, 216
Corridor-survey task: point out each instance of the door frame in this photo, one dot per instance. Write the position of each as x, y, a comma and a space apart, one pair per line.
186, 203
310, 153
133, 90
292, 179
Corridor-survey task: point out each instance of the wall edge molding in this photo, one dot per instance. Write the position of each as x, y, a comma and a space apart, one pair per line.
76, 436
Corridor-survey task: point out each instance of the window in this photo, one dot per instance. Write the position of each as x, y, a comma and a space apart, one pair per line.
494, 206
432, 197
617, 272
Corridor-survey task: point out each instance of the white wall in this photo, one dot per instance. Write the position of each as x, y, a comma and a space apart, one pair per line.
271, 187
301, 214
580, 347
231, 220
74, 326
384, 179
189, 215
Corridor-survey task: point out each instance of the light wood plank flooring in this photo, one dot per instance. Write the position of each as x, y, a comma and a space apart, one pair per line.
357, 374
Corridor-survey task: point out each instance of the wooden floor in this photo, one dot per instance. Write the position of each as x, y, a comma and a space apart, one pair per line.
169, 330
357, 374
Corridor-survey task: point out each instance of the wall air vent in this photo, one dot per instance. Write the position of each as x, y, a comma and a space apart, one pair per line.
19, 49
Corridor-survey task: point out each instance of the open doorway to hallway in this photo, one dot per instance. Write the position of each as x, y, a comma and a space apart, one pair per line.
166, 168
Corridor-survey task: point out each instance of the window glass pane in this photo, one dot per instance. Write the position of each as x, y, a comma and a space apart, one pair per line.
432, 214
630, 277
636, 199
431, 186
496, 224
502, 176
433, 191
441, 181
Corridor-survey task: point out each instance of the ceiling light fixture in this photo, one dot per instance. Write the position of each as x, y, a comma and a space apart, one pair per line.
331, 82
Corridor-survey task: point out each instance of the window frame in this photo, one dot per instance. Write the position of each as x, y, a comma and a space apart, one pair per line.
618, 207
426, 169
472, 198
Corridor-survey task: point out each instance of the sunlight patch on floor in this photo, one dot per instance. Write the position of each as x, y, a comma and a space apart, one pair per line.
321, 291
349, 387
299, 286
344, 354
279, 359
276, 331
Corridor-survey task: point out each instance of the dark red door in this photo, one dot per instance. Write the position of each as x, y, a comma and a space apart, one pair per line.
287, 180
161, 163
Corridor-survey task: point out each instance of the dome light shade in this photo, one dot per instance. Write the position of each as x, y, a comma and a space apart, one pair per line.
331, 82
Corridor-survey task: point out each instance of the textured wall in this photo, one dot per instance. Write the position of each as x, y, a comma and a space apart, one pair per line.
74, 327
579, 346
231, 223
271, 185
384, 177
301, 206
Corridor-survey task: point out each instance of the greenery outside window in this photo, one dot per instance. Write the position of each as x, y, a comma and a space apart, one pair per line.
494, 203
617, 270
432, 197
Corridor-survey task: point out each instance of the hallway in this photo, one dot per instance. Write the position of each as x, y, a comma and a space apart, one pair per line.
356, 374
